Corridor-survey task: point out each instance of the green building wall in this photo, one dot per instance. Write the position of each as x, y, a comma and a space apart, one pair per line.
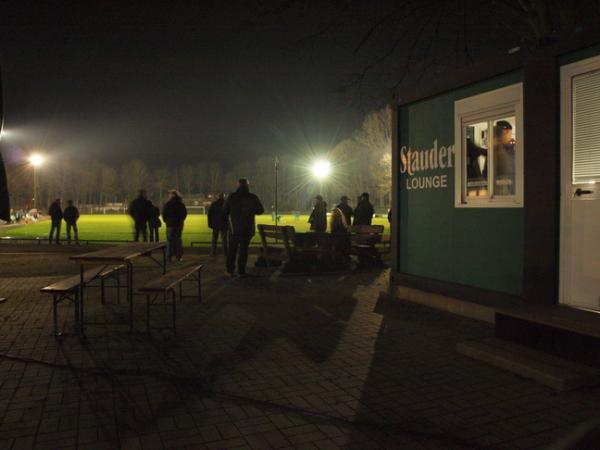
480, 247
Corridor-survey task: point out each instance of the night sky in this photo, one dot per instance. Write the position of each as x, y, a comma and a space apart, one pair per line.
172, 85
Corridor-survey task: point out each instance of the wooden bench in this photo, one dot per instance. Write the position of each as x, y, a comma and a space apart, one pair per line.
68, 289
165, 285
303, 253
276, 241
363, 242
114, 273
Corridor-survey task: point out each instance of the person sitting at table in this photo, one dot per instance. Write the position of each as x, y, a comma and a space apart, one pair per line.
346, 209
338, 223
174, 213
318, 216
340, 234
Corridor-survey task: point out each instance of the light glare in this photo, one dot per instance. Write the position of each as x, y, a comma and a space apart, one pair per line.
36, 160
321, 169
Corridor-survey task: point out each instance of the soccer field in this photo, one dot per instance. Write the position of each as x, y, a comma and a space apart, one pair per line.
119, 227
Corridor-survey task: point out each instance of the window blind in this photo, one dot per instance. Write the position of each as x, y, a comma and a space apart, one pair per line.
586, 128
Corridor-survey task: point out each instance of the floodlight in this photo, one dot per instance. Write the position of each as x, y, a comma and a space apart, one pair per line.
36, 159
321, 169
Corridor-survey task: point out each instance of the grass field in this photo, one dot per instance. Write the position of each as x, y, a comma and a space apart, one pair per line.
119, 227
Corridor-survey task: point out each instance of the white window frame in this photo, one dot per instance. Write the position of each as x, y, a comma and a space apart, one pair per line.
492, 105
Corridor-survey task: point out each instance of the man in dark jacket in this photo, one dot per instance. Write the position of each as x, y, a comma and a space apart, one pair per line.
318, 216
154, 222
363, 213
217, 222
174, 213
240, 209
139, 210
346, 209
71, 215
56, 216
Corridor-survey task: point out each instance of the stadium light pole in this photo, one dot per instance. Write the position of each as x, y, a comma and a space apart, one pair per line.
35, 160
276, 167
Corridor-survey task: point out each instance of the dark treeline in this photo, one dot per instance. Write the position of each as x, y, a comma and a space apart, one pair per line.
359, 163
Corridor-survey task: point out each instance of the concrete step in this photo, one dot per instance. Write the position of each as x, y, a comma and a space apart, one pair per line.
584, 322
546, 369
568, 333
472, 310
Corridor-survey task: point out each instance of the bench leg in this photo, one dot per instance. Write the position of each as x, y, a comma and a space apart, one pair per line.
102, 290
199, 288
174, 302
181, 291
55, 317
81, 300
119, 286
76, 301
147, 313
130, 294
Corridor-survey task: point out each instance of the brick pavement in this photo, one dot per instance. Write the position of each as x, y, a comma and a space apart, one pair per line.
264, 362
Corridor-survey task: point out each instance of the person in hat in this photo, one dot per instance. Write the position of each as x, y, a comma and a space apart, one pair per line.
240, 209
363, 213
318, 216
346, 209
174, 214
504, 158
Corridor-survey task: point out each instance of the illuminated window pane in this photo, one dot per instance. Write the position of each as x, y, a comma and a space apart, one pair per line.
477, 159
586, 132
504, 156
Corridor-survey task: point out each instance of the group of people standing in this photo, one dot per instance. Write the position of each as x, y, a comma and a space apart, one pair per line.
233, 220
343, 217
146, 216
70, 215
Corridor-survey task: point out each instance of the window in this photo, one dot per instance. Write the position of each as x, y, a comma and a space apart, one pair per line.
489, 155
586, 132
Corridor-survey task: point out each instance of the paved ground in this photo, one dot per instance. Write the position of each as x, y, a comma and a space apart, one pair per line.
264, 362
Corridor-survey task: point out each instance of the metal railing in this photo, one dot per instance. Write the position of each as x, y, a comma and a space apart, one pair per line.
44, 240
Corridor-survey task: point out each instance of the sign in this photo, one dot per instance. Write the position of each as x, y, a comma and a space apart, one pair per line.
436, 160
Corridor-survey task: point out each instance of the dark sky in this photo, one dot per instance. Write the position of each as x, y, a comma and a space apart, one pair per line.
172, 84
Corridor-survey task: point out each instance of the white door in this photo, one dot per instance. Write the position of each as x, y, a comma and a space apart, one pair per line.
580, 185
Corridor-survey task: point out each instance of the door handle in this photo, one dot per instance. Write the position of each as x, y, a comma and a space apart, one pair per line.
579, 192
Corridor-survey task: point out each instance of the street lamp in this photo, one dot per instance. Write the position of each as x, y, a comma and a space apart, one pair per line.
35, 160
276, 167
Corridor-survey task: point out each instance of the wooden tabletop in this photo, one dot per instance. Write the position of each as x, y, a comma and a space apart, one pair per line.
122, 253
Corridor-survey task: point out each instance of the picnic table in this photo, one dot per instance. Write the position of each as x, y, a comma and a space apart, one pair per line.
303, 252
118, 255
